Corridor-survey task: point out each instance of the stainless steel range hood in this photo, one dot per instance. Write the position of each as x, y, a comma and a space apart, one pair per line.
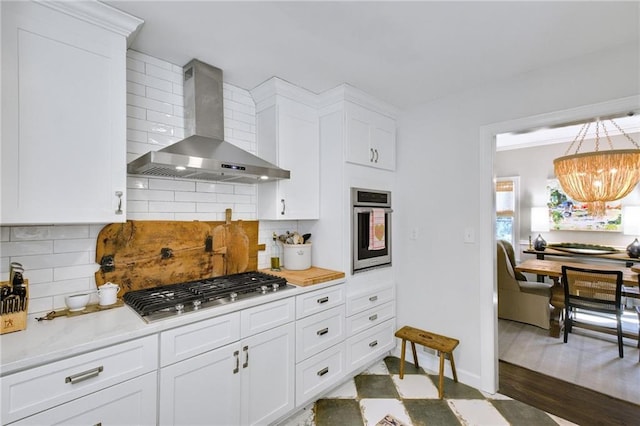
205, 154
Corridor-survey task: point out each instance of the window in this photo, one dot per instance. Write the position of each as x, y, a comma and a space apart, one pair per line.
507, 202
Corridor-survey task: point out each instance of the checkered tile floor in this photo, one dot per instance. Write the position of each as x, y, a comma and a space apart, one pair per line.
379, 397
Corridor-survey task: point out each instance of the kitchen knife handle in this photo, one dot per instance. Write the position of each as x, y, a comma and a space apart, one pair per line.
283, 206
76, 378
323, 331
237, 355
246, 356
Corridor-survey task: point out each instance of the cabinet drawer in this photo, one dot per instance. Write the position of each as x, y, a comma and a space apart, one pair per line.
318, 332
319, 373
368, 345
369, 299
40, 388
193, 339
370, 317
318, 301
267, 316
132, 403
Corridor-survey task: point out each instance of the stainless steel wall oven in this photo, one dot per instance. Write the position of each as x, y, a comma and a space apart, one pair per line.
371, 229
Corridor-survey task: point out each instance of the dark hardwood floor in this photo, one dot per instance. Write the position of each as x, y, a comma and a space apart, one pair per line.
577, 404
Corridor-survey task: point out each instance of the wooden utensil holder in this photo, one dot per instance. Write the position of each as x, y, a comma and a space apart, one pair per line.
15, 321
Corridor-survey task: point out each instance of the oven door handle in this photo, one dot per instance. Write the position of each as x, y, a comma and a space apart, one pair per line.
369, 209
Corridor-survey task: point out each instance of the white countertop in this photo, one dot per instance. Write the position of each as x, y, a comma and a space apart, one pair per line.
46, 341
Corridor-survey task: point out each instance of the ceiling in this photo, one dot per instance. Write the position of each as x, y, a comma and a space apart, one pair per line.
404, 53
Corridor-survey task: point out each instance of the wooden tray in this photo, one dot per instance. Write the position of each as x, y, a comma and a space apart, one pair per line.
87, 310
306, 277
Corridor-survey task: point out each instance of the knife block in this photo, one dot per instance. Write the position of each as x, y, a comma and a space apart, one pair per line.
15, 321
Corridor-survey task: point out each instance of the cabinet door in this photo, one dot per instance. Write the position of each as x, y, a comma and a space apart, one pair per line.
203, 390
288, 135
63, 116
370, 138
130, 403
268, 375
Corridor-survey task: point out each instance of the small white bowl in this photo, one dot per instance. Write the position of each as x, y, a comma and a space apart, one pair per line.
76, 302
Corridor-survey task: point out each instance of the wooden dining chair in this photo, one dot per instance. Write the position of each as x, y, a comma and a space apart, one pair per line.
592, 290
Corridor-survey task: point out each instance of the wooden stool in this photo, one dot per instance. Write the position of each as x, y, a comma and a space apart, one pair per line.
442, 344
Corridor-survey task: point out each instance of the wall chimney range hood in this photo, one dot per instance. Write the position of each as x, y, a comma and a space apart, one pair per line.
205, 155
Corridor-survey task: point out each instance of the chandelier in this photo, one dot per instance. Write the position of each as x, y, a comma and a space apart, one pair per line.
599, 176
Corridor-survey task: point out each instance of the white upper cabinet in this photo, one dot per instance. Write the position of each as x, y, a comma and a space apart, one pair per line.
287, 127
370, 137
63, 112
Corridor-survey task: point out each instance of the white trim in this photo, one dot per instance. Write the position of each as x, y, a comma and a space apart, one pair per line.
486, 236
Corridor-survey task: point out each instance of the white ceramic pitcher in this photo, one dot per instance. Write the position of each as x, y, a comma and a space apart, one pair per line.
108, 293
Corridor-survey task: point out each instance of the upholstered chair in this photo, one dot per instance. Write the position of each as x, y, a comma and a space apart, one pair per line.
520, 300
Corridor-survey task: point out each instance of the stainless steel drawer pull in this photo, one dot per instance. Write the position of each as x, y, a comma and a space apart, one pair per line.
373, 344
246, 356
323, 300
322, 332
76, 378
237, 355
373, 317
373, 298
323, 371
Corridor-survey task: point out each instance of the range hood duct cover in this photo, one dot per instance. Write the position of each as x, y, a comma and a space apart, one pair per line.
205, 155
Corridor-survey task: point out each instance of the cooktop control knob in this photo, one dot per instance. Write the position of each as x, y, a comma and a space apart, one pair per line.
179, 307
275, 286
233, 296
196, 304
264, 288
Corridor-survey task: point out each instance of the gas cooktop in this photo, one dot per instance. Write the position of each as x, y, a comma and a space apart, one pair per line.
157, 303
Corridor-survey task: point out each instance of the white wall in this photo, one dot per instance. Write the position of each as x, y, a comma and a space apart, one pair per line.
444, 185
60, 260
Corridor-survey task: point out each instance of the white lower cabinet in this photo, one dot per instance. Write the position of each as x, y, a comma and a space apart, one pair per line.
370, 325
248, 382
53, 385
130, 403
320, 334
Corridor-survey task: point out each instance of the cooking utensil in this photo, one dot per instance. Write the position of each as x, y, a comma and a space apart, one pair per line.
305, 238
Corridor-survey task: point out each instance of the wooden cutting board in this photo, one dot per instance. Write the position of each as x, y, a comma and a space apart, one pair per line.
306, 277
144, 254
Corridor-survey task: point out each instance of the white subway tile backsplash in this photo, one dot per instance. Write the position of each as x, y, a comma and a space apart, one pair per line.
72, 272
69, 231
5, 231
136, 136
135, 88
172, 185
200, 197
137, 182
234, 198
134, 206
178, 88
28, 233
164, 118
74, 245
149, 59
151, 104
163, 74
149, 81
54, 260
211, 207
136, 149
220, 188
245, 189
147, 195
136, 112
165, 206
201, 216
135, 64
20, 248
160, 95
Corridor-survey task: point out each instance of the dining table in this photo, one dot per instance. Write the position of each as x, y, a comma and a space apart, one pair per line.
553, 270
